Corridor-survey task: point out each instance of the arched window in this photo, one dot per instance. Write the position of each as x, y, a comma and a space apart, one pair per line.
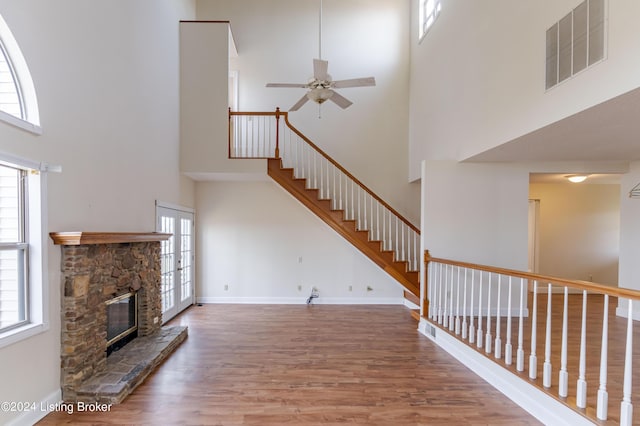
18, 102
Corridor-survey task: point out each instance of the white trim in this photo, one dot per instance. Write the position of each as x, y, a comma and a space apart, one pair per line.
20, 123
409, 304
303, 300
41, 409
536, 402
622, 310
172, 206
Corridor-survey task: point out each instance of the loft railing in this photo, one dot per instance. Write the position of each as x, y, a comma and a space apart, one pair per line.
270, 135
590, 367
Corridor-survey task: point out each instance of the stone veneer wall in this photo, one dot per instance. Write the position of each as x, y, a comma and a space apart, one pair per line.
93, 274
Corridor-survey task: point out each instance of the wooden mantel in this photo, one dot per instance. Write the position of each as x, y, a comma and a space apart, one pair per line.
80, 238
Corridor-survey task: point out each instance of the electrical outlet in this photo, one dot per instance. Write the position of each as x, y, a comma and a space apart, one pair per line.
226, 287
300, 259
350, 288
299, 288
155, 320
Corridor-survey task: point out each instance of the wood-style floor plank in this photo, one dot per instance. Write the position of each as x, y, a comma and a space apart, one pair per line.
306, 365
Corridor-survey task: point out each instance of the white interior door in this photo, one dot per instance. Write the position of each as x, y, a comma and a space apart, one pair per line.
177, 260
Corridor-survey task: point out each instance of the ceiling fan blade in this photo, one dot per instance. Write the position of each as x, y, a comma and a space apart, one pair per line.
320, 68
298, 104
298, 85
355, 82
340, 100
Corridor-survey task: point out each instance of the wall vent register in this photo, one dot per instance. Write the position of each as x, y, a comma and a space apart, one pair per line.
576, 42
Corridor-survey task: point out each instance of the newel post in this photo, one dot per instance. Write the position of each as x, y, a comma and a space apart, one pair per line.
278, 132
425, 298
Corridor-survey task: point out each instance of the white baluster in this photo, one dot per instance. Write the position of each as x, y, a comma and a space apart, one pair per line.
472, 328
563, 376
603, 395
487, 338
508, 347
581, 393
533, 358
403, 256
451, 314
458, 303
443, 306
432, 290
464, 308
480, 336
377, 217
447, 296
520, 351
498, 342
440, 291
546, 367
359, 217
626, 408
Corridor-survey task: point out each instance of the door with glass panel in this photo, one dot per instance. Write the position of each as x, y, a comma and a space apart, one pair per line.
177, 260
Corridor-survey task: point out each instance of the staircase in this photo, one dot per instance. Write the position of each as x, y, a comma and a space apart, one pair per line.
330, 192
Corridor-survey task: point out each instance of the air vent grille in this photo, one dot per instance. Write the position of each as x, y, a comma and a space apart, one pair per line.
575, 42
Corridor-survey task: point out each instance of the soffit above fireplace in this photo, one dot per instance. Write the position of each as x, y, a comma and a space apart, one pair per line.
80, 238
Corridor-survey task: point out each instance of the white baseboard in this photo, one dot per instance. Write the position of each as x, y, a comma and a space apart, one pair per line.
39, 411
303, 300
622, 310
536, 402
409, 304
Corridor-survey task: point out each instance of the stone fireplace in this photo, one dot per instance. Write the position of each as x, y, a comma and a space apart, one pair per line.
98, 268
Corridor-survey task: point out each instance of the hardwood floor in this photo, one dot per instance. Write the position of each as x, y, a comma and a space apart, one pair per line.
305, 365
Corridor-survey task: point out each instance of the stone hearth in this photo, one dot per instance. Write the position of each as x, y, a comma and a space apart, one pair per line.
97, 267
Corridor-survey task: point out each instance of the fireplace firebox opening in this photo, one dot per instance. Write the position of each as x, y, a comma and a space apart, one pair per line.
122, 321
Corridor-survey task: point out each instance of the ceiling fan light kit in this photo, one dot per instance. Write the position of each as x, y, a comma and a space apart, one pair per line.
320, 87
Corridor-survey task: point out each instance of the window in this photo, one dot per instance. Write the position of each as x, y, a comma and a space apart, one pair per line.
9, 90
13, 249
428, 13
575, 42
23, 287
18, 103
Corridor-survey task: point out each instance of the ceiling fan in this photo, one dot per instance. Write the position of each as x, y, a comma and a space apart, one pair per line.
321, 86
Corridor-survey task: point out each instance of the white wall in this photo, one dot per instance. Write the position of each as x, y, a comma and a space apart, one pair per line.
204, 121
476, 212
106, 76
579, 231
477, 78
277, 41
629, 268
262, 243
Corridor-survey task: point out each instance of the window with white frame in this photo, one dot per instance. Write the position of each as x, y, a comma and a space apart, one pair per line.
18, 102
14, 250
428, 13
23, 287
10, 99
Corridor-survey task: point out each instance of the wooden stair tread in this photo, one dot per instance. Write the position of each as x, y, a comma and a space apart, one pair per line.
345, 227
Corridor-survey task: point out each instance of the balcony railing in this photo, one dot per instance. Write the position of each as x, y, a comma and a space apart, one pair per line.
586, 362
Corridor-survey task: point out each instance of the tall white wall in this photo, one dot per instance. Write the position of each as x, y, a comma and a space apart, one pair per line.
476, 212
629, 268
204, 106
477, 78
579, 231
261, 244
277, 41
106, 76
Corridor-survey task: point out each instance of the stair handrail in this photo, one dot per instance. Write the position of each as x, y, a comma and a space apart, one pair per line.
577, 284
277, 114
